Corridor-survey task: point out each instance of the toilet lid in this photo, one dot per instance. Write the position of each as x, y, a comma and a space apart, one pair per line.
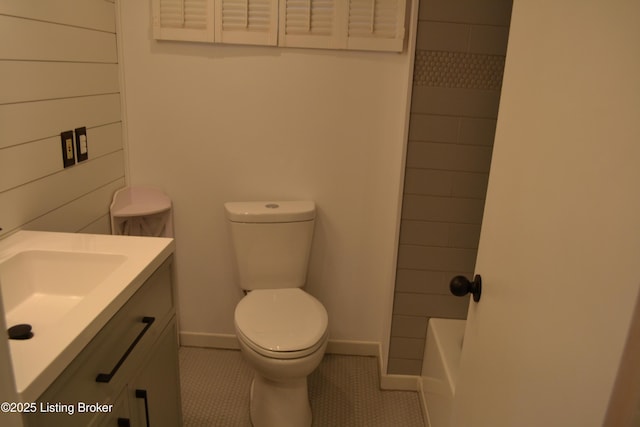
281, 320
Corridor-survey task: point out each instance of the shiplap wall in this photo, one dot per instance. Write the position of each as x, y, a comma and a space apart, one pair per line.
58, 72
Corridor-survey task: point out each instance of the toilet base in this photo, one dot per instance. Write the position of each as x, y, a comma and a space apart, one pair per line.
280, 404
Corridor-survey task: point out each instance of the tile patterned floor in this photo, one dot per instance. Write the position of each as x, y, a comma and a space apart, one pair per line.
343, 391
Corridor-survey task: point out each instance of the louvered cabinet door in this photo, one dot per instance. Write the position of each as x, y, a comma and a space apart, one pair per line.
188, 20
312, 23
329, 24
246, 22
376, 25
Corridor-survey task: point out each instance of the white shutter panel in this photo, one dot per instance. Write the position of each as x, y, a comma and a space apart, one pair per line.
312, 23
247, 21
376, 25
188, 20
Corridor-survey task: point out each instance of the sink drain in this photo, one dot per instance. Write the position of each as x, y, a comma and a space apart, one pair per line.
20, 332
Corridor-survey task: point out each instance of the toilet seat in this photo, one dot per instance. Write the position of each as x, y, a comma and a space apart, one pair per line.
281, 323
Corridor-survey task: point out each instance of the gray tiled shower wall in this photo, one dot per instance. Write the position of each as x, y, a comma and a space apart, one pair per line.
460, 56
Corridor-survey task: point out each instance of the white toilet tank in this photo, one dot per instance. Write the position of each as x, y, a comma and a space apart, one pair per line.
272, 242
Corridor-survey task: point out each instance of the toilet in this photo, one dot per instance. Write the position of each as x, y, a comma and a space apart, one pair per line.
282, 330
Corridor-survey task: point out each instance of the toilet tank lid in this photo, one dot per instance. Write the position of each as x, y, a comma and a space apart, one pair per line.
270, 211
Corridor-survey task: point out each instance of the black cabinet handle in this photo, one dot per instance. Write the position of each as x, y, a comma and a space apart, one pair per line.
142, 394
461, 286
124, 422
105, 378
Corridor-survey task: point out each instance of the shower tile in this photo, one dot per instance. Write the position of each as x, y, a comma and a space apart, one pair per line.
435, 258
447, 306
424, 233
488, 39
406, 348
444, 209
452, 157
476, 131
488, 12
443, 36
461, 70
472, 185
404, 366
464, 235
428, 182
455, 101
426, 281
409, 326
426, 127
421, 281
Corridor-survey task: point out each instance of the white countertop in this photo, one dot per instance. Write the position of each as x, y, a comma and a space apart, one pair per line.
37, 362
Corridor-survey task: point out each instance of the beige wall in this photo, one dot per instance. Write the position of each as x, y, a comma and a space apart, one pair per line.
59, 71
215, 123
456, 89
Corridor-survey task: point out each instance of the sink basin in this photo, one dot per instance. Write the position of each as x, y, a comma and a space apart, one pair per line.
66, 286
39, 286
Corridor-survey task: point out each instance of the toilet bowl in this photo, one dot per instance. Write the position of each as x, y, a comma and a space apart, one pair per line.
281, 329
283, 336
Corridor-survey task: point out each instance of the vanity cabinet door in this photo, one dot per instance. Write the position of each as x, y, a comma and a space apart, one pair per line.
154, 393
119, 416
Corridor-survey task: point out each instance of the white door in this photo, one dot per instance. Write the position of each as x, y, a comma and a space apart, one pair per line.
560, 245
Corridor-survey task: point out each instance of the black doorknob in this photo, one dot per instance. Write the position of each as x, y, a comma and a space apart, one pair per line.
461, 286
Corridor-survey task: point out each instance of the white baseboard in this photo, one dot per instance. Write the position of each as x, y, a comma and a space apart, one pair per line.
206, 340
351, 348
423, 402
229, 341
399, 382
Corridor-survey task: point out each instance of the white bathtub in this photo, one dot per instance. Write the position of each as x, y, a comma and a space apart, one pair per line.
440, 368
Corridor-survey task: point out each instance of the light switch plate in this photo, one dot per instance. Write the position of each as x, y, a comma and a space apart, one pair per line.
68, 156
81, 144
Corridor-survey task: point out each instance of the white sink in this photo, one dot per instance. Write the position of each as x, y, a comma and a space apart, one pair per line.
39, 287
67, 286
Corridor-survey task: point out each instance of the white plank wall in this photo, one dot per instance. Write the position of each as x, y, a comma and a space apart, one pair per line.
58, 72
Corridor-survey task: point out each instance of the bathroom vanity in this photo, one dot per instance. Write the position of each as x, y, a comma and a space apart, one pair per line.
111, 358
